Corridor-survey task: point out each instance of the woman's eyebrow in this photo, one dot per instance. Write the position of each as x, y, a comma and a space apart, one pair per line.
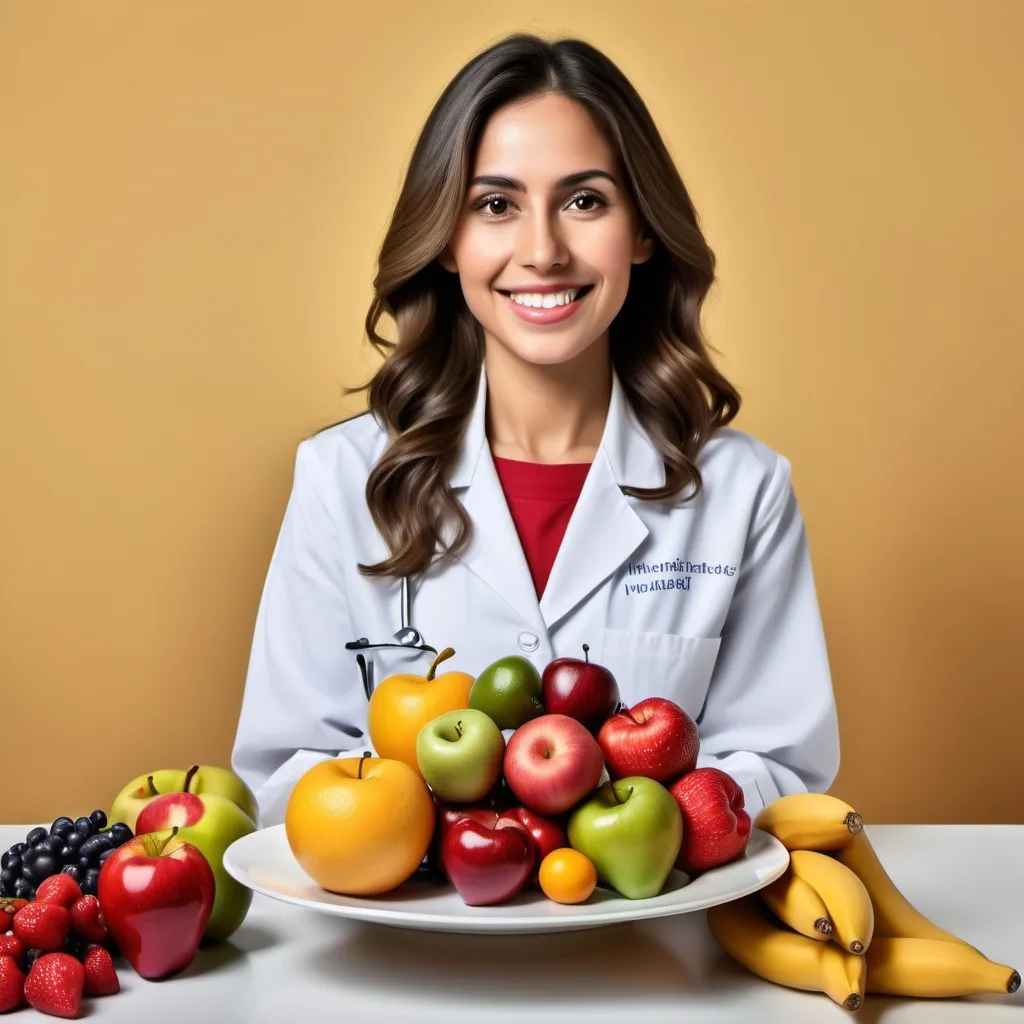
500, 181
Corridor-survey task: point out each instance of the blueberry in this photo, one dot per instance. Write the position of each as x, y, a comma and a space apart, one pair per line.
72, 871
31, 957
62, 826
46, 865
120, 833
84, 825
35, 836
99, 819
24, 889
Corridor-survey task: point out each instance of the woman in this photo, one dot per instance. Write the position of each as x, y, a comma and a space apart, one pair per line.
546, 456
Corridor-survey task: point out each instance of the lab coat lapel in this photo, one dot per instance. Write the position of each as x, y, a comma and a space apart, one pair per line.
494, 552
602, 532
604, 529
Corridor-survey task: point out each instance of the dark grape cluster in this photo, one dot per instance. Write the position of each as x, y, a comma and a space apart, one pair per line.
76, 848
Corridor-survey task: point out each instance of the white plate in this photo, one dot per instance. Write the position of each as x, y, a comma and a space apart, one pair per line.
263, 862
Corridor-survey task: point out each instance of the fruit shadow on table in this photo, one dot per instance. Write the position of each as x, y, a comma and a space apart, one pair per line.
250, 938
559, 967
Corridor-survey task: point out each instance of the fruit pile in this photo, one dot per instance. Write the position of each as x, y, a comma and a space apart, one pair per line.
584, 791
54, 949
74, 848
836, 923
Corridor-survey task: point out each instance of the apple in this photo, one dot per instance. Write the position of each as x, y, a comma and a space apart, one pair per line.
487, 864
655, 738
459, 755
446, 816
157, 893
547, 835
199, 779
632, 830
716, 828
581, 690
551, 763
211, 823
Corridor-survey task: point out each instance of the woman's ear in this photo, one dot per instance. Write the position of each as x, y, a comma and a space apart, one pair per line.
447, 260
643, 248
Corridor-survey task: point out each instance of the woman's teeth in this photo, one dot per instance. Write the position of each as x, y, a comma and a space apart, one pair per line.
546, 301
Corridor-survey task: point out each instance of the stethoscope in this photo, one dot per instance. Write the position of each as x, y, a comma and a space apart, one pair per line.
407, 638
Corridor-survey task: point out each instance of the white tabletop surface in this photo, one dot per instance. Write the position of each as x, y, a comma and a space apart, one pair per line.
290, 964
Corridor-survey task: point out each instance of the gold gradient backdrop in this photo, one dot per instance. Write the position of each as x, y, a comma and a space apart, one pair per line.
191, 198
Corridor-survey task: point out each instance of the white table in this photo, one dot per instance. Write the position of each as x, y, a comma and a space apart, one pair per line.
293, 965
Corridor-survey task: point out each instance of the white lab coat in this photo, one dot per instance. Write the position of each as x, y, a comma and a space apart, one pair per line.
710, 603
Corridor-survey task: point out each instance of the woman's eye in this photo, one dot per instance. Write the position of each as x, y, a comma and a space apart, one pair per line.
489, 204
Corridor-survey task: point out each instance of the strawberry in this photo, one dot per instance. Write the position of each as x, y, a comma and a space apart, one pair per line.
9, 906
42, 926
100, 976
60, 889
12, 946
85, 919
12, 985
54, 985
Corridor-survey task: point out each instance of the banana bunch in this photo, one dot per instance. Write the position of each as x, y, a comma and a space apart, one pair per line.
836, 923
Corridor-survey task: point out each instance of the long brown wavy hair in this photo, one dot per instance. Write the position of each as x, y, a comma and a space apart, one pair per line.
424, 392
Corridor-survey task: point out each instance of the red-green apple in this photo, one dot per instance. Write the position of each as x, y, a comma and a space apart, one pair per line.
580, 689
716, 828
551, 763
632, 830
655, 738
157, 893
487, 864
199, 779
211, 823
459, 755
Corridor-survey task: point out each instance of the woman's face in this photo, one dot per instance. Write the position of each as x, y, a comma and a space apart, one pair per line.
520, 238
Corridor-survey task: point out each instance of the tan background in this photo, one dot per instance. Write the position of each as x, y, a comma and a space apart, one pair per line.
191, 197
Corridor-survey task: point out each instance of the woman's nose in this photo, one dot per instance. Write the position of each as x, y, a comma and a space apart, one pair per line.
540, 243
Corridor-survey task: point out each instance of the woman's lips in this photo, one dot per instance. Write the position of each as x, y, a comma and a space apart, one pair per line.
539, 315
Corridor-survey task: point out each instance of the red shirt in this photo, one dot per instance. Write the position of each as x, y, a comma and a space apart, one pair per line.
541, 498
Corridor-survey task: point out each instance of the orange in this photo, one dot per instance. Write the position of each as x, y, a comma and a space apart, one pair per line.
567, 876
402, 704
360, 825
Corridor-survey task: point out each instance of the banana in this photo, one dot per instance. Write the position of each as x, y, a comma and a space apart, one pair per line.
895, 915
782, 956
845, 897
933, 968
795, 903
810, 821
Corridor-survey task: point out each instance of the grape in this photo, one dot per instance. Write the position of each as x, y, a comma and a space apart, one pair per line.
52, 843
76, 945
99, 819
36, 835
94, 846
90, 882
102, 859
3, 891
10, 860
62, 827
67, 855
31, 957
74, 841
24, 890
84, 825
46, 865
72, 871
120, 833
28, 858
7, 877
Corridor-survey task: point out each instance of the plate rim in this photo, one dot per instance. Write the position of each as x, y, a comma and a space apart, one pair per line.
623, 912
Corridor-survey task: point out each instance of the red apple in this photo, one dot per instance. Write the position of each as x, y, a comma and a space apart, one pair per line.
655, 738
551, 763
447, 815
580, 689
715, 825
487, 864
547, 835
156, 892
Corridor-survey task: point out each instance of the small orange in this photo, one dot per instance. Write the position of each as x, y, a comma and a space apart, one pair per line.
403, 703
567, 876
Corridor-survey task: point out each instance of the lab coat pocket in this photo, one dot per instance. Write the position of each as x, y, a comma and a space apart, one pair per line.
660, 665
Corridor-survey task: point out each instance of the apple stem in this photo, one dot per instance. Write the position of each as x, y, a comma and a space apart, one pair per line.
586, 647
152, 788
188, 777
174, 832
366, 754
443, 656
458, 729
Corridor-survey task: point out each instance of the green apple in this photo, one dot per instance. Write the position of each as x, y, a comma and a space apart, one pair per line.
211, 823
460, 754
632, 830
509, 691
200, 779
